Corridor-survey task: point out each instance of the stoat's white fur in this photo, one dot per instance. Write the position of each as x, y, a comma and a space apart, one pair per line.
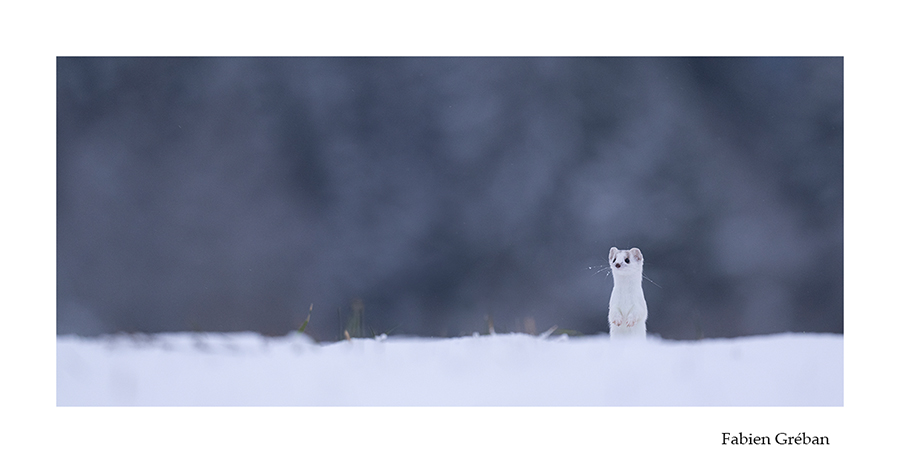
627, 307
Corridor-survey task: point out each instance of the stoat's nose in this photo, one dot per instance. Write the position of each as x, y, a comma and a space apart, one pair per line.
618, 265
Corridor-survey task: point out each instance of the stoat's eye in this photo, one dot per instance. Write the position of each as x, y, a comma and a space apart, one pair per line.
627, 261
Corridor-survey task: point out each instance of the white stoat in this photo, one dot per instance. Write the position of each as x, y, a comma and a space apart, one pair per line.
627, 307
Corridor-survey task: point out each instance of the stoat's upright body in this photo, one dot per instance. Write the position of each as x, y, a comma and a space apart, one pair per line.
627, 307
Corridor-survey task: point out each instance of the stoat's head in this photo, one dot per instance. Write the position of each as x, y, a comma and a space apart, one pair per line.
626, 262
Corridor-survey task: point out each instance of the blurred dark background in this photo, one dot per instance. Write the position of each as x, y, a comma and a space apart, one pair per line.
433, 196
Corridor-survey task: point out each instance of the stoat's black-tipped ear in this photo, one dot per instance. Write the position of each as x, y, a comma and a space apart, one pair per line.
636, 253
612, 252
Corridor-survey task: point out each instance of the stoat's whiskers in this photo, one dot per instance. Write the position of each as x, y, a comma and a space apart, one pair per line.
609, 269
600, 269
651, 281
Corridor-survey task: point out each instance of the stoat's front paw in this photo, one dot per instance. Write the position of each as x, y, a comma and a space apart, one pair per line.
630, 321
616, 321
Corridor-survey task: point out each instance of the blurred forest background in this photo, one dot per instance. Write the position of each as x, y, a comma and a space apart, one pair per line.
429, 196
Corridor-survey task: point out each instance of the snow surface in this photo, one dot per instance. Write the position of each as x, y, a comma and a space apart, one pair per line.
221, 369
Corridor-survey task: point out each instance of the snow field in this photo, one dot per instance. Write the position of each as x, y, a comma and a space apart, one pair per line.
247, 369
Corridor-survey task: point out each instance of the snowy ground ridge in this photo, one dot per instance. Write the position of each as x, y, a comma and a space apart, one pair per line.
247, 369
